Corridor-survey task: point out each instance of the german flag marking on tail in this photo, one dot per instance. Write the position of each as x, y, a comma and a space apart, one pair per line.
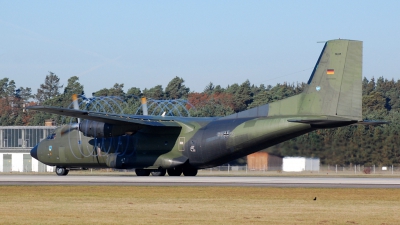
330, 71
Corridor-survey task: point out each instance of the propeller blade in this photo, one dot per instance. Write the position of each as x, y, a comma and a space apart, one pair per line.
75, 104
144, 106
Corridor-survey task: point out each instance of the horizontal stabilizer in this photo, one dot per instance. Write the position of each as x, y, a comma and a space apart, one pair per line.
335, 122
324, 123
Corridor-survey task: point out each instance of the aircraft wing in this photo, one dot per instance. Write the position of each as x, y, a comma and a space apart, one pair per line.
117, 119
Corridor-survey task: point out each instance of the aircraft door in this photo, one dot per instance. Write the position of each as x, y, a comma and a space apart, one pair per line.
193, 150
61, 154
181, 144
27, 163
7, 163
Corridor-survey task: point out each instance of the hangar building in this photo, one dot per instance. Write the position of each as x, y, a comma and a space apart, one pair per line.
15, 145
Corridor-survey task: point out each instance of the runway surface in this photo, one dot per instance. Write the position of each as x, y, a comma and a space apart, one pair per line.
326, 182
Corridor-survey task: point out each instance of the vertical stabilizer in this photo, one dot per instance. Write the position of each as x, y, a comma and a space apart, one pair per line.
334, 87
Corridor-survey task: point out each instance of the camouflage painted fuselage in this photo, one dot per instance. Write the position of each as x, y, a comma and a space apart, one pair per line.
203, 142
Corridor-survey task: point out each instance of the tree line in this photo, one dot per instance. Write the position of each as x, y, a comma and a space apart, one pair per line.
356, 144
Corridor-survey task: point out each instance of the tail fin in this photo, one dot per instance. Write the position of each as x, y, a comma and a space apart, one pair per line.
334, 88
335, 85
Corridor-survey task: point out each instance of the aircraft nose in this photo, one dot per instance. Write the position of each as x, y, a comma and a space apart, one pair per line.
34, 152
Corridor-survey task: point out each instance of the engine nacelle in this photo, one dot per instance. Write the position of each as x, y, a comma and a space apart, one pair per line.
92, 128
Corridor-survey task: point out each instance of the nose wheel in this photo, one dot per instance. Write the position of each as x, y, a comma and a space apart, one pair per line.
61, 171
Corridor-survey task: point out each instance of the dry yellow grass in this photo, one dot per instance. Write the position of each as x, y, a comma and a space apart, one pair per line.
196, 205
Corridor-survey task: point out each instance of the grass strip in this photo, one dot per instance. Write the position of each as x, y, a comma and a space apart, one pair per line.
196, 205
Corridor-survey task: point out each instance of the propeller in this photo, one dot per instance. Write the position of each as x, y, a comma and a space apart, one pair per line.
74, 126
75, 104
144, 106
98, 125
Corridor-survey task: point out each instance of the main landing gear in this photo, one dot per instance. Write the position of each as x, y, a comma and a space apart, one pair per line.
187, 171
145, 172
61, 171
191, 172
159, 172
173, 172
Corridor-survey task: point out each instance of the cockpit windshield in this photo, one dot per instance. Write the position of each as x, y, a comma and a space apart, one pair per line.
52, 134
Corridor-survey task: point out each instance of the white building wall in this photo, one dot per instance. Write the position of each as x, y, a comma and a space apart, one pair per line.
298, 164
312, 164
50, 168
293, 164
1, 162
35, 165
17, 162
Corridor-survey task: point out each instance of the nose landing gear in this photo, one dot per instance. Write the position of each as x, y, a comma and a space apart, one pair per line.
61, 171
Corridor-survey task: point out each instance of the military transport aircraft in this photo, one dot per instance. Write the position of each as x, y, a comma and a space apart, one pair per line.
160, 144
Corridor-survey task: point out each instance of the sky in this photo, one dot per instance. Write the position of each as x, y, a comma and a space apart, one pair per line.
147, 43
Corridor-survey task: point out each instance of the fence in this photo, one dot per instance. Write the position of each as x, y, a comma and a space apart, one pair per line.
229, 170
323, 170
360, 169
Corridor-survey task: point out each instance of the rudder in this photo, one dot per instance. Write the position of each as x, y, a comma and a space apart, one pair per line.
335, 87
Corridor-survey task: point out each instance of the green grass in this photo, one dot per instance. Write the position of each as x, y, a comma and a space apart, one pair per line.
196, 205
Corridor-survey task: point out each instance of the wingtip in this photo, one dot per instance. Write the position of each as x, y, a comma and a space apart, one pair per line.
373, 122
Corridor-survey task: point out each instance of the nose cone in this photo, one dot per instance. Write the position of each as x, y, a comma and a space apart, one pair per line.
34, 152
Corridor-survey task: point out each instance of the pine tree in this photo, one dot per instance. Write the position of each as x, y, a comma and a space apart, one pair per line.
49, 89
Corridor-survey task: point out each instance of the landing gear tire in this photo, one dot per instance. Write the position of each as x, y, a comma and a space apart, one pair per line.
175, 172
159, 172
61, 171
190, 172
142, 172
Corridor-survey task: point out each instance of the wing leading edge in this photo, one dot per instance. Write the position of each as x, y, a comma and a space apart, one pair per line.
116, 119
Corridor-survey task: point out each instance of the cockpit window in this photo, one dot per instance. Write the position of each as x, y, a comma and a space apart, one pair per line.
52, 136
